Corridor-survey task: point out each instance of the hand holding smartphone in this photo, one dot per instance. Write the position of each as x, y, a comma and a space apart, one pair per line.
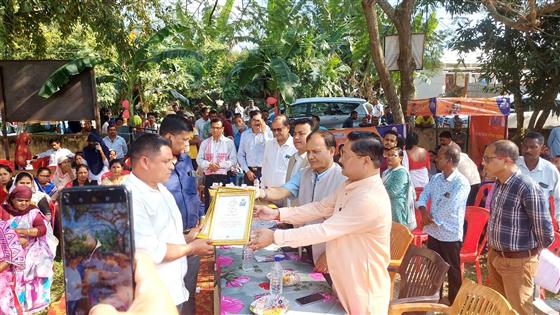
97, 247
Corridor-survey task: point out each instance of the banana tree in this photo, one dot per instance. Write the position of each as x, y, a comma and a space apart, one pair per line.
126, 72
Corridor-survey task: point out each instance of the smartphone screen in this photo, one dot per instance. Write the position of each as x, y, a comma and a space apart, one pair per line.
315, 297
98, 247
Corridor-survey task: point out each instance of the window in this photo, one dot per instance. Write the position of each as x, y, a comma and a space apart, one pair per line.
299, 110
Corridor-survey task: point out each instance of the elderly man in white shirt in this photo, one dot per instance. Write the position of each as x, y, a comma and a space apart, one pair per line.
541, 171
216, 156
158, 227
277, 153
55, 152
251, 148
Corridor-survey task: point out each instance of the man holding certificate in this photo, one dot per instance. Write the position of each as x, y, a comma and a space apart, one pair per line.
357, 229
314, 183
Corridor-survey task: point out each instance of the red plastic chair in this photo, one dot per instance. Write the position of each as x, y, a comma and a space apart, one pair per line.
553, 213
555, 249
42, 162
476, 218
482, 192
419, 236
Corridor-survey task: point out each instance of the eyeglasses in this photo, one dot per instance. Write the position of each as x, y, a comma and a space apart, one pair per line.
487, 159
277, 130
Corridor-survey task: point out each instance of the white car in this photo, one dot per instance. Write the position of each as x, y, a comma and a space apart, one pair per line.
332, 111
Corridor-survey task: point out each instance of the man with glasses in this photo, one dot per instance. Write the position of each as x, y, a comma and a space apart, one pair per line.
448, 191
356, 230
519, 227
215, 157
277, 153
251, 147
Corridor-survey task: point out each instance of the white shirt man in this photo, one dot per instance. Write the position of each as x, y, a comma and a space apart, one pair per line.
469, 169
157, 222
55, 152
275, 162
375, 109
546, 175
251, 147
221, 152
116, 142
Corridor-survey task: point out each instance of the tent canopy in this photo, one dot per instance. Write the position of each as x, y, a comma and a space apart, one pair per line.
445, 106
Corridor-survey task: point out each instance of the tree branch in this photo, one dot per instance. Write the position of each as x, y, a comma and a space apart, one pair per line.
520, 26
388, 9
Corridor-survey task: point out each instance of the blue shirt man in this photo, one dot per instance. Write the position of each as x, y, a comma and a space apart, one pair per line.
183, 186
449, 191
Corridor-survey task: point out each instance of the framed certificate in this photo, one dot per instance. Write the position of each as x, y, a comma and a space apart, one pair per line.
229, 217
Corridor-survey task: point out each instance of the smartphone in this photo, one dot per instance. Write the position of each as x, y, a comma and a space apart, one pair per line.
308, 299
97, 247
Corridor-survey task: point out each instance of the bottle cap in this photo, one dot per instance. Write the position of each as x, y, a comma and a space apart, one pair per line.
278, 257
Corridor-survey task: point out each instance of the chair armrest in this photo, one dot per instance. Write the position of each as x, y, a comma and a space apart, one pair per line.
398, 309
542, 308
394, 269
418, 299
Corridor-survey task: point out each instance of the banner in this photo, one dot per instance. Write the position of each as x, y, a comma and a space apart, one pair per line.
449, 106
484, 130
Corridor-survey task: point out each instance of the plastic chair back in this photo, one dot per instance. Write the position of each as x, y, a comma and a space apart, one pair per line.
400, 240
476, 218
482, 192
478, 299
555, 246
422, 272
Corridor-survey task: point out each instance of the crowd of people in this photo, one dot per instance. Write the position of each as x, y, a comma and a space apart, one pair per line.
340, 200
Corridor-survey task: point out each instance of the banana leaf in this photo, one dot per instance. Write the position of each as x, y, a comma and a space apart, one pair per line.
173, 53
285, 79
180, 97
61, 76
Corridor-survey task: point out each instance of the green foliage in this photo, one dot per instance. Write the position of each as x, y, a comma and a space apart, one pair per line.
523, 63
63, 74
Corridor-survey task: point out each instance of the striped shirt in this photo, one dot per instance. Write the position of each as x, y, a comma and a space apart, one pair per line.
519, 219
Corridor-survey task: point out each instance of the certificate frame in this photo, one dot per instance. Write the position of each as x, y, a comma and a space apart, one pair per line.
244, 201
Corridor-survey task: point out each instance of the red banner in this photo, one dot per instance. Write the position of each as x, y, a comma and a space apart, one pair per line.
484, 130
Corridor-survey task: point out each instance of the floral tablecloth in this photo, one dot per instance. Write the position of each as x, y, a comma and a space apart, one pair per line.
239, 288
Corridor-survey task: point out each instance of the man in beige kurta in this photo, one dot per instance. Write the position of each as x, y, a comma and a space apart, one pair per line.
357, 230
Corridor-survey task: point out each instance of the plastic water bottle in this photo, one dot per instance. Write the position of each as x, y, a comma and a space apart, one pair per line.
276, 278
239, 176
247, 259
257, 183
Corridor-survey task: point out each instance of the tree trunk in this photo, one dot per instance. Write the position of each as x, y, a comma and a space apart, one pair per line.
546, 103
406, 62
518, 105
379, 61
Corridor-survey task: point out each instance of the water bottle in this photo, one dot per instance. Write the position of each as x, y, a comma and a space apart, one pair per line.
239, 176
257, 183
276, 279
247, 259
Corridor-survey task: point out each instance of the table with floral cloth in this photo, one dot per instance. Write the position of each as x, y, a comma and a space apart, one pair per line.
239, 288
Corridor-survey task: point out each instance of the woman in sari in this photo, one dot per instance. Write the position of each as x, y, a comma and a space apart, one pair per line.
64, 173
95, 154
5, 181
39, 199
11, 261
117, 176
33, 284
82, 177
398, 185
